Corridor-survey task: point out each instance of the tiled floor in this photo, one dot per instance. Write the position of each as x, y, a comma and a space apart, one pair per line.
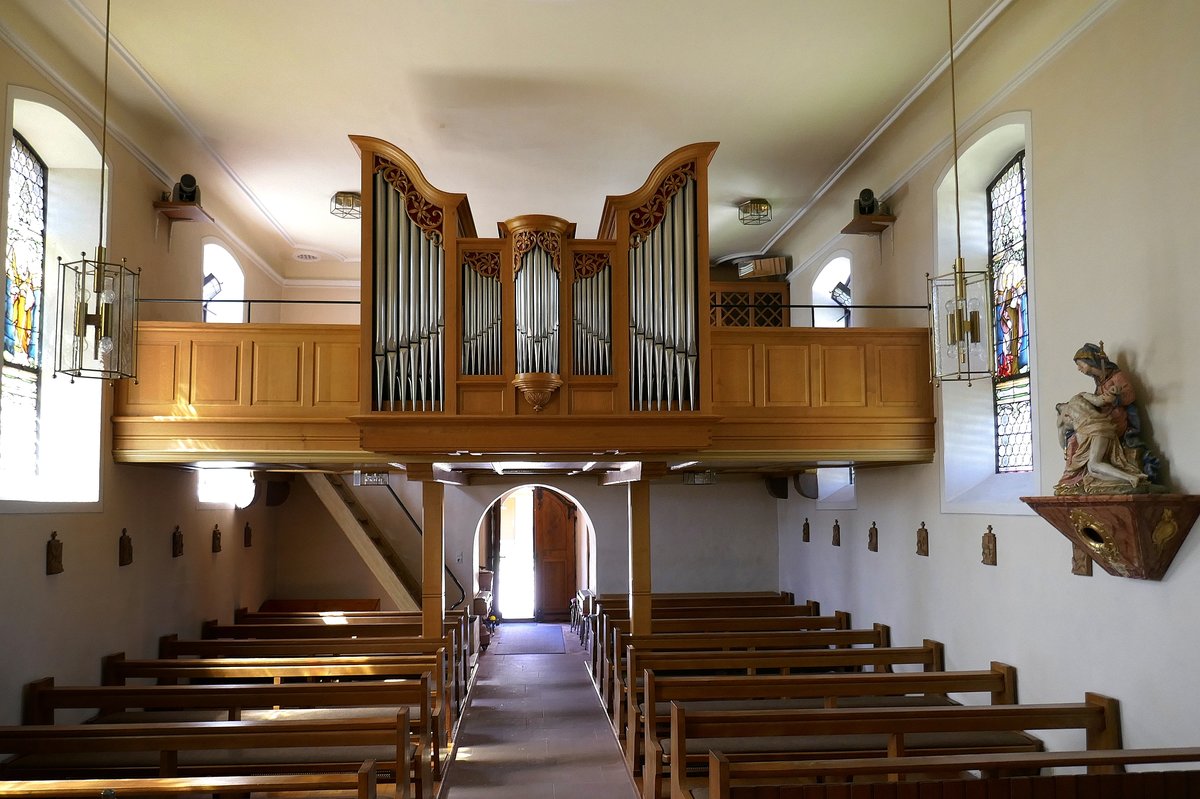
535, 729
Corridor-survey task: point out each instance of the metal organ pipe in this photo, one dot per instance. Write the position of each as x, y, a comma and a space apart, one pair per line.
662, 327
409, 307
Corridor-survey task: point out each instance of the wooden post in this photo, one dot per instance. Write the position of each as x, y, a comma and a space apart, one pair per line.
639, 557
433, 570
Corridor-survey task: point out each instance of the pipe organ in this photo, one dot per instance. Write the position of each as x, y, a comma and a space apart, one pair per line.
460, 326
535, 344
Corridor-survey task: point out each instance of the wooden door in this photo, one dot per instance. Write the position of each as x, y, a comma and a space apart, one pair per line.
553, 555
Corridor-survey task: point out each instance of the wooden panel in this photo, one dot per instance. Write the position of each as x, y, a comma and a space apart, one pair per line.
335, 376
733, 374
157, 375
787, 376
216, 366
276, 373
592, 400
481, 400
842, 382
899, 369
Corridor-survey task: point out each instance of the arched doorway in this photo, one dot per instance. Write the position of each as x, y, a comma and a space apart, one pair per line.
538, 544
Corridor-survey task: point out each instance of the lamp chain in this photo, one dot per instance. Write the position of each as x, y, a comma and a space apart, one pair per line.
100, 254
954, 138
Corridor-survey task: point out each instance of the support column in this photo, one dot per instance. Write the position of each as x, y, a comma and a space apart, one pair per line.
639, 557
433, 560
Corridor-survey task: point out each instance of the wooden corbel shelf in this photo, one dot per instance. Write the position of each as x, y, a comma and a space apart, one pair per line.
178, 212
1129, 535
869, 223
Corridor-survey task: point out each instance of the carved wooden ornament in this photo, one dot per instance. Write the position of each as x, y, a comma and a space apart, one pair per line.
176, 542
989, 547
124, 548
837, 533
216, 538
1129, 535
873, 538
806, 531
54, 554
923, 541
247, 535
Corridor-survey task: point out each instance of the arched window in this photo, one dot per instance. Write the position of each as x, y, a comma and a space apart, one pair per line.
222, 280
832, 288
987, 427
51, 190
1006, 252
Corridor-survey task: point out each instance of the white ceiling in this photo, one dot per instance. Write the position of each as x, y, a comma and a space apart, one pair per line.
527, 106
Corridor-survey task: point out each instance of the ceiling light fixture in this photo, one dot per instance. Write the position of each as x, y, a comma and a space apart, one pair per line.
754, 212
97, 304
346, 204
960, 301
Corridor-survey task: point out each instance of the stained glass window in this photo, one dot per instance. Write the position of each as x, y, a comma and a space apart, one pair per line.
24, 272
1010, 319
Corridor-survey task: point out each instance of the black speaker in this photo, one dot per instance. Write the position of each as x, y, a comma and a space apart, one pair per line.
187, 190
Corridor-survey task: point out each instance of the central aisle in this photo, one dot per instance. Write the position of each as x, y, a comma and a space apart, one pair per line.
534, 729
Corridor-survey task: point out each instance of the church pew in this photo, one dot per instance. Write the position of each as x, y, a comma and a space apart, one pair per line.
457, 625
117, 670
807, 636
858, 732
600, 619
930, 656
618, 604
214, 749
252, 702
609, 628
732, 778
334, 785
649, 714
317, 605
610, 655
172, 646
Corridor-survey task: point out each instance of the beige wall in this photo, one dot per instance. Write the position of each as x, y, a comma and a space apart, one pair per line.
1113, 119
60, 625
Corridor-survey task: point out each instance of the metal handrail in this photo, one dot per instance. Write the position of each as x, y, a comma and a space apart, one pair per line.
248, 303
462, 593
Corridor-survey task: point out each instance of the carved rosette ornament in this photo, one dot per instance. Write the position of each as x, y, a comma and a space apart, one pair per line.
422, 212
548, 240
485, 262
589, 264
645, 218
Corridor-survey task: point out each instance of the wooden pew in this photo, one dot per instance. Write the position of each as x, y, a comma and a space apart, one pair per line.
755, 779
606, 616
809, 638
615, 627
618, 605
334, 785
800, 734
171, 646
256, 702
216, 748
627, 672
317, 605
117, 670
397, 624
650, 713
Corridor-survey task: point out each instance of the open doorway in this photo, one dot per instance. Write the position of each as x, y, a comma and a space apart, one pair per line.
538, 543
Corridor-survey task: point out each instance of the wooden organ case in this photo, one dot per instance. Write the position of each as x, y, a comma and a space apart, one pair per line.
535, 342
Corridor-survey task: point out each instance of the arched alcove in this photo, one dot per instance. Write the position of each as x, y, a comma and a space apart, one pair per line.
540, 544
